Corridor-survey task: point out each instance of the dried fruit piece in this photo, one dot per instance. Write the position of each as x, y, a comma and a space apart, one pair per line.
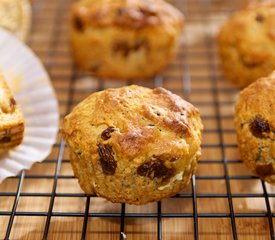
7, 136
140, 43
95, 67
120, 11
5, 139
12, 102
154, 168
124, 48
107, 160
258, 126
78, 24
148, 11
265, 170
121, 47
259, 18
106, 134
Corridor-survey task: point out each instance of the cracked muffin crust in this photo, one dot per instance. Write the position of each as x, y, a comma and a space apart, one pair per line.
11, 118
124, 39
255, 126
247, 43
133, 144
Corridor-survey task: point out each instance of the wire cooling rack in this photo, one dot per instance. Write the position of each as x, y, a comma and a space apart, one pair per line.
223, 200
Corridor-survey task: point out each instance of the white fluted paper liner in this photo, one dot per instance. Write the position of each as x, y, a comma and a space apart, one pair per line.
34, 93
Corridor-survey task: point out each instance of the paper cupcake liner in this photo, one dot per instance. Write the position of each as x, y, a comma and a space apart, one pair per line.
34, 93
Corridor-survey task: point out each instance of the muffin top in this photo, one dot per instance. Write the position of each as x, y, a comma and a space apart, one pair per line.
251, 34
256, 106
133, 144
137, 122
133, 14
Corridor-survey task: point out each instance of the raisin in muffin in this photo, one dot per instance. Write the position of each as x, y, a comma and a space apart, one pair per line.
15, 16
124, 39
133, 144
11, 118
255, 126
247, 43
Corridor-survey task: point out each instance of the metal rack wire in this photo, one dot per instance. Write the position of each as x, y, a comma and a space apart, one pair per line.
219, 203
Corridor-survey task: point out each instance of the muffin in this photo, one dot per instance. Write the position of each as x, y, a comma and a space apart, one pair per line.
11, 118
15, 16
124, 39
255, 127
133, 144
247, 43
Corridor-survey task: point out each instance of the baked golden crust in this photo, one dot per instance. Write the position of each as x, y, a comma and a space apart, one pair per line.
247, 43
11, 118
255, 127
132, 14
15, 16
124, 39
133, 144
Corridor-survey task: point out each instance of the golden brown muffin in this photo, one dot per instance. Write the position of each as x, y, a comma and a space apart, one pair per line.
255, 126
247, 43
124, 39
15, 16
11, 118
133, 144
